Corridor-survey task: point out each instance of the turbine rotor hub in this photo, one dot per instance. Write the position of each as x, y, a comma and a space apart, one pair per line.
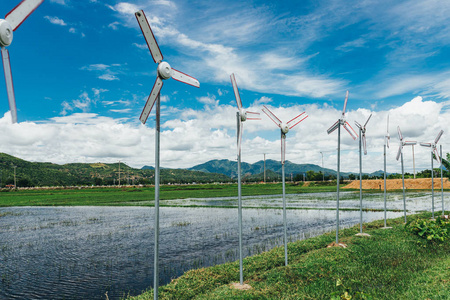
6, 33
164, 70
243, 115
284, 128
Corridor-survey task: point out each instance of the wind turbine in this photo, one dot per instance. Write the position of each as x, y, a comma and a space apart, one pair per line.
387, 138
435, 152
351, 131
12, 21
285, 127
241, 116
164, 72
400, 154
362, 139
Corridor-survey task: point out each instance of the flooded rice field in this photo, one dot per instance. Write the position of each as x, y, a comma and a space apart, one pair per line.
85, 252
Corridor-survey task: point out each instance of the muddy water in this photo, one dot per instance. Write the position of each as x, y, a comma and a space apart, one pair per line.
85, 252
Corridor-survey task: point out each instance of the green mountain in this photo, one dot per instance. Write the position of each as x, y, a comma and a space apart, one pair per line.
229, 168
76, 174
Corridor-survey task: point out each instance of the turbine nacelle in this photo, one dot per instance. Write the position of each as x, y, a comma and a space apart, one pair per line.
6, 33
284, 128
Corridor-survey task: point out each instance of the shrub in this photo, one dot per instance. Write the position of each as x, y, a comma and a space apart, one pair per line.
433, 231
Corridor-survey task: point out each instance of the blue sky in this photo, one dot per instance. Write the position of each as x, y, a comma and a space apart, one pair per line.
82, 73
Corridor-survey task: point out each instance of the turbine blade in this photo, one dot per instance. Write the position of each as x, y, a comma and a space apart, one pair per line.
271, 116
350, 130
149, 37
253, 113
298, 121
358, 125
400, 136
387, 130
399, 151
9, 84
236, 91
239, 141
409, 143
438, 137
436, 154
294, 118
388, 139
151, 100
185, 78
19, 13
333, 127
345, 103
425, 144
364, 143
283, 148
367, 120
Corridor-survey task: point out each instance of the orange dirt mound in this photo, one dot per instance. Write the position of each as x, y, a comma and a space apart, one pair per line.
396, 184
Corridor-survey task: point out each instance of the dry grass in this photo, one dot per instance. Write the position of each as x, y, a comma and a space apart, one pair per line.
396, 184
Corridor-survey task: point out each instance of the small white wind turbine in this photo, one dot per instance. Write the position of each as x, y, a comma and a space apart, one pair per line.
400, 154
353, 134
285, 127
387, 138
436, 154
362, 140
164, 71
241, 116
11, 22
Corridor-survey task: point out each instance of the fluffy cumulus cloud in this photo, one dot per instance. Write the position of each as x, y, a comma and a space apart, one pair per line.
197, 136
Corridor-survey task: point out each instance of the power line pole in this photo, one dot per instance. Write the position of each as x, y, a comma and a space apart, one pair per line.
323, 171
119, 172
264, 168
15, 186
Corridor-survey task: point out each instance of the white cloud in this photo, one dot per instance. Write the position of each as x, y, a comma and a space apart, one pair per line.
200, 135
108, 77
56, 21
113, 25
62, 2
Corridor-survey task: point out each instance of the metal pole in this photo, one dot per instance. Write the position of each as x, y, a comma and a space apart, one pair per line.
442, 184
264, 168
157, 149
403, 181
241, 275
385, 184
360, 182
338, 175
432, 185
323, 170
119, 172
414, 162
284, 212
15, 186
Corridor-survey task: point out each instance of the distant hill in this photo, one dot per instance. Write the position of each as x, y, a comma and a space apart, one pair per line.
229, 168
75, 174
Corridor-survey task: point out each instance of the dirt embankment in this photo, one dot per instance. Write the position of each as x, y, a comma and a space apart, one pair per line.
396, 184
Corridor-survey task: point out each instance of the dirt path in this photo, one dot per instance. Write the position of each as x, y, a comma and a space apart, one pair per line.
396, 184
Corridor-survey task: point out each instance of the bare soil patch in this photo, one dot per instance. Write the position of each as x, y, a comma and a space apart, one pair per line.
396, 184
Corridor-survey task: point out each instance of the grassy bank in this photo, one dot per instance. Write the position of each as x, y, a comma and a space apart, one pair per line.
142, 196
390, 264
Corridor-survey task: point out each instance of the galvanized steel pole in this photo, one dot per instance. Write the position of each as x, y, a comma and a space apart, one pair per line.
385, 185
432, 185
360, 182
157, 179
403, 181
338, 175
284, 211
442, 185
241, 275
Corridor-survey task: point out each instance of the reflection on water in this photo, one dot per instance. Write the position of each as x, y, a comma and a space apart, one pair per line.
84, 252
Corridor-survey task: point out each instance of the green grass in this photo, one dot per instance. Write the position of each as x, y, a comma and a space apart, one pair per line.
142, 196
390, 264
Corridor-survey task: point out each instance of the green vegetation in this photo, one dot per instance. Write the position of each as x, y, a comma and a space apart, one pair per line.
143, 196
433, 231
79, 174
389, 264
